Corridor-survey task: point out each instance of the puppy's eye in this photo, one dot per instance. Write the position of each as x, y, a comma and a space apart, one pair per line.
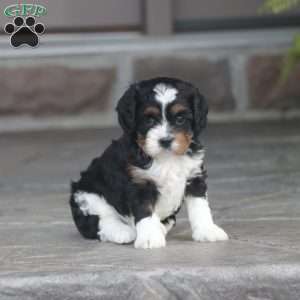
180, 120
150, 121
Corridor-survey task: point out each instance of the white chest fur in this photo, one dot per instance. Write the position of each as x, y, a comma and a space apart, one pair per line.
170, 173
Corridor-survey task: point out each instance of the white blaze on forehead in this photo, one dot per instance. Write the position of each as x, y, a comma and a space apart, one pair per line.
164, 93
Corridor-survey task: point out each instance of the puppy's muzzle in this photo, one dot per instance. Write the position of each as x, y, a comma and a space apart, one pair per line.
166, 142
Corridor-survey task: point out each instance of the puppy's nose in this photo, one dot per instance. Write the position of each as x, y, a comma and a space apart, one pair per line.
166, 142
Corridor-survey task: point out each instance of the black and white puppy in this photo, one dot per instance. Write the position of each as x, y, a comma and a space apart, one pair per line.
133, 191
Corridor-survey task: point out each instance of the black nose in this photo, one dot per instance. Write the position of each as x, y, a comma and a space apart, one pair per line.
166, 142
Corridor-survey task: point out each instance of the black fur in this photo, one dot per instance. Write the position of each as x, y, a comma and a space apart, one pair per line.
169, 219
141, 198
126, 109
200, 110
196, 187
109, 176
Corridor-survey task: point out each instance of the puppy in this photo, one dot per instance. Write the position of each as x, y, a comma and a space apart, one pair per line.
133, 191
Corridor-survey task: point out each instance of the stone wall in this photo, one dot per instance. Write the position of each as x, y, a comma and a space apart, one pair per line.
266, 90
233, 78
54, 90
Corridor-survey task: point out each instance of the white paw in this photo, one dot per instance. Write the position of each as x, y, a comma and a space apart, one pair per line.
150, 233
152, 240
116, 232
211, 233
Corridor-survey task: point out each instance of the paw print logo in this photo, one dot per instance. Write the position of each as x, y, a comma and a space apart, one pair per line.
24, 32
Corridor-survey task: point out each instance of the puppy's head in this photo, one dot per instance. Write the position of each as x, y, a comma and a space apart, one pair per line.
163, 114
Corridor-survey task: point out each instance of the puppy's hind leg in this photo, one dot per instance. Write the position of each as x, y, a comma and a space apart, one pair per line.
111, 227
87, 225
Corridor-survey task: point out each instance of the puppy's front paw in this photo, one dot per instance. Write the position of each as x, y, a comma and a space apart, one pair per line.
116, 232
150, 233
211, 233
153, 240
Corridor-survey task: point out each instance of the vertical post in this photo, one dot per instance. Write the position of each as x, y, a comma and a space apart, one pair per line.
158, 17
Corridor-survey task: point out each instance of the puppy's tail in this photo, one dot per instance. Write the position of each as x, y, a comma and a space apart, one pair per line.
86, 225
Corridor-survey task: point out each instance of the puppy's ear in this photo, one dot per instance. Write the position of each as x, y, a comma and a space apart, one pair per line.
126, 109
200, 110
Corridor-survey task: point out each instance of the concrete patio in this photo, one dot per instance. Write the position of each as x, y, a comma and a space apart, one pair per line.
254, 190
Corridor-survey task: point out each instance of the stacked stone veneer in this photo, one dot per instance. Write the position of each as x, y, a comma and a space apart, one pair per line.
231, 81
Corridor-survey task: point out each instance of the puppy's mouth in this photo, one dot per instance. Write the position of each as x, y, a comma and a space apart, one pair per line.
177, 144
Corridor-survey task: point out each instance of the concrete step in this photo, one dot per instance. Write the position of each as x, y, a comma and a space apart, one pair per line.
254, 175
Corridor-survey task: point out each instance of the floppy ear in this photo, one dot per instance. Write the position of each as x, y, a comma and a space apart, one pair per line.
200, 110
126, 110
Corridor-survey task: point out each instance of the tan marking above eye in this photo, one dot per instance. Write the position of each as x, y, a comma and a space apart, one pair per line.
177, 108
152, 110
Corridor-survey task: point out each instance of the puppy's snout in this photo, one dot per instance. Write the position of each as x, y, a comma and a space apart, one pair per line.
166, 142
